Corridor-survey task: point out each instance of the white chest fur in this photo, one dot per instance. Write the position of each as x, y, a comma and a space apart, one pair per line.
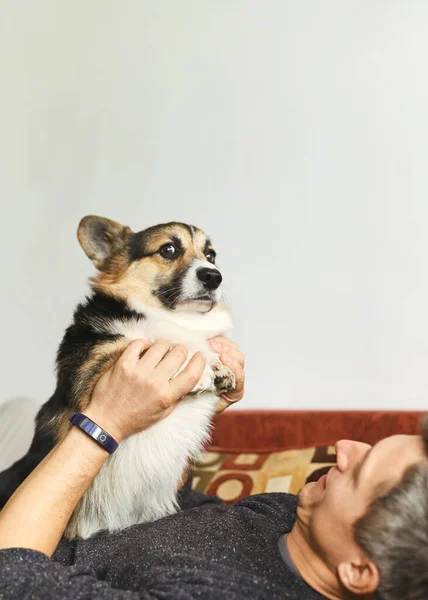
138, 483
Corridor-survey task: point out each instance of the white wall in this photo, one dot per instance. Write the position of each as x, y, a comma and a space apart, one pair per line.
294, 132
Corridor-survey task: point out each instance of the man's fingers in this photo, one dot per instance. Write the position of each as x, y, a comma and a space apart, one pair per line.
238, 371
236, 355
154, 355
221, 341
133, 351
220, 344
240, 379
189, 377
172, 362
233, 355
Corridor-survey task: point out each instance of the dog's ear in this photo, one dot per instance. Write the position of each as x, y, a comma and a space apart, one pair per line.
102, 238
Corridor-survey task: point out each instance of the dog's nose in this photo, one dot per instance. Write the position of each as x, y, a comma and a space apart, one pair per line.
211, 278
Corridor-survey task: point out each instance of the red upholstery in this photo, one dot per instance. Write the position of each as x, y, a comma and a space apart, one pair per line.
273, 430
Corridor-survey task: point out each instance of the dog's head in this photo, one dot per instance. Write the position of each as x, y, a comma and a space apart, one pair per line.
169, 266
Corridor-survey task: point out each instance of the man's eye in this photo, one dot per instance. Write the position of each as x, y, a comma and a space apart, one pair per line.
210, 256
168, 251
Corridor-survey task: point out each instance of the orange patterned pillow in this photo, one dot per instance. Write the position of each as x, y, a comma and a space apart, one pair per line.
234, 476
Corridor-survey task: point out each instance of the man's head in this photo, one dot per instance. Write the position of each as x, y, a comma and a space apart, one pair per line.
367, 520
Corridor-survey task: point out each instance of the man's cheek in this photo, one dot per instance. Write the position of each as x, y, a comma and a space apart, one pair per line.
341, 510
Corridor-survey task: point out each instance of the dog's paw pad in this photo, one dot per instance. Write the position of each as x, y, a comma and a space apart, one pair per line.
224, 379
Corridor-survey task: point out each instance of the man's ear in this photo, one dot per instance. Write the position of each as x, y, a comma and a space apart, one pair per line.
361, 576
101, 238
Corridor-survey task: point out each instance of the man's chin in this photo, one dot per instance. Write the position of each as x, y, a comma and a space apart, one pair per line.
306, 496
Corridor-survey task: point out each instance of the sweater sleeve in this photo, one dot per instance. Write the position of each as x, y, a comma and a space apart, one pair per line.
30, 574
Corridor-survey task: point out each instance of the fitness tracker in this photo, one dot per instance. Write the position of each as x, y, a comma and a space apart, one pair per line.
94, 431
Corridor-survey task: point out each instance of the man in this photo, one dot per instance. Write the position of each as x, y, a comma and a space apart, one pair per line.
359, 532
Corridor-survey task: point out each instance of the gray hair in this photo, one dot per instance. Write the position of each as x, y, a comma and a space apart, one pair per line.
394, 533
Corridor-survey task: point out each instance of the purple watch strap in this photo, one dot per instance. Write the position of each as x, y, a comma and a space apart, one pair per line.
94, 431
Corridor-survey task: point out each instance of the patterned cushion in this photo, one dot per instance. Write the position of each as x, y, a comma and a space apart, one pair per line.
234, 476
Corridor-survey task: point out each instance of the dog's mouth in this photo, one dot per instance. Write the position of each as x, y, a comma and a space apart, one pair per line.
203, 298
203, 303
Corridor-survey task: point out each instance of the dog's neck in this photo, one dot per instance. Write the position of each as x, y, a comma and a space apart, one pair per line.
210, 324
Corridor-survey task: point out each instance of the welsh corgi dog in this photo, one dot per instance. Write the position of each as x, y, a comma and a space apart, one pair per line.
159, 283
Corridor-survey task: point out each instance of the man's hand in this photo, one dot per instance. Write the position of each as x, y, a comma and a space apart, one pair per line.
141, 388
231, 357
137, 391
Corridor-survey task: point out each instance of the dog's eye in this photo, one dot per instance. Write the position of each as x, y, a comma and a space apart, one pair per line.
210, 256
168, 251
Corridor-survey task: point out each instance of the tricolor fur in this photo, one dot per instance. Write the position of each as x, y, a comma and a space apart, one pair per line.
160, 283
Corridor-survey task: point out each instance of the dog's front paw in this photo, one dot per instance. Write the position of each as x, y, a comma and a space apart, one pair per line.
206, 383
224, 379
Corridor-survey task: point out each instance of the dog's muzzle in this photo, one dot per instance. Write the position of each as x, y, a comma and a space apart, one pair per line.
201, 285
211, 278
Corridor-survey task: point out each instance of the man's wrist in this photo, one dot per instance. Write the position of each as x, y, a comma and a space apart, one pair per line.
78, 443
101, 419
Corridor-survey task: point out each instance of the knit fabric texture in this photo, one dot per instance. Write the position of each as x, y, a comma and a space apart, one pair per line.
207, 551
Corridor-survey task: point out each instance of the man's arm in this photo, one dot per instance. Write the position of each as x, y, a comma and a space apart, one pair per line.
37, 514
133, 395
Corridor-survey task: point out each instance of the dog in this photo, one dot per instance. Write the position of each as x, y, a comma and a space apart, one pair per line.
159, 283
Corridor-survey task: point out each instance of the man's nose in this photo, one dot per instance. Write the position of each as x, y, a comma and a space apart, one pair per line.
349, 452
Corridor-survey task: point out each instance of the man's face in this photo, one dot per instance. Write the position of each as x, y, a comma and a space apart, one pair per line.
329, 508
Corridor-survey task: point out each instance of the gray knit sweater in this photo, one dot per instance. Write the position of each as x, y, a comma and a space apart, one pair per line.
207, 551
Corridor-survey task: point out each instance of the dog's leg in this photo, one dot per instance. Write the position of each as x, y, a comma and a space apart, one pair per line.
206, 383
217, 378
